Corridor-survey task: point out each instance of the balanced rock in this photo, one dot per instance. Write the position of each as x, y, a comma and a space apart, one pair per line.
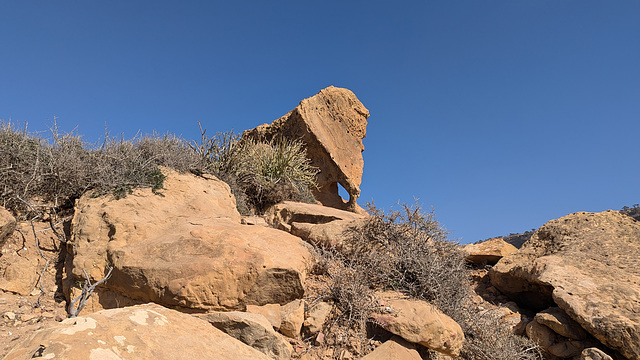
7, 224
587, 264
488, 252
420, 322
145, 331
331, 125
184, 248
320, 225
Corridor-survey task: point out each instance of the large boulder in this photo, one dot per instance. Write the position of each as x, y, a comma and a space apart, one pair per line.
587, 264
184, 248
145, 331
331, 125
422, 323
7, 225
320, 225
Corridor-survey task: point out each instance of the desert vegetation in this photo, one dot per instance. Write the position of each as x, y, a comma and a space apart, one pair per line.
409, 251
54, 168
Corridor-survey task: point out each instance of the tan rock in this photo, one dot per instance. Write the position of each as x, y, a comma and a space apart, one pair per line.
594, 354
588, 265
7, 225
20, 273
316, 317
139, 332
292, 318
252, 329
319, 225
421, 323
541, 335
272, 312
566, 349
332, 125
488, 252
558, 321
395, 348
185, 248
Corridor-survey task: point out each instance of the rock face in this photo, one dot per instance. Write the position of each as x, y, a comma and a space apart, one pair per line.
185, 248
421, 323
7, 225
489, 252
320, 225
139, 332
332, 125
588, 265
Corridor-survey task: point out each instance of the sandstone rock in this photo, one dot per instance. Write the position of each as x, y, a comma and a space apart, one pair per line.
253, 220
20, 274
292, 318
252, 329
332, 125
184, 248
272, 312
541, 335
421, 323
395, 348
316, 317
139, 332
594, 354
566, 349
320, 225
558, 321
488, 252
588, 265
7, 225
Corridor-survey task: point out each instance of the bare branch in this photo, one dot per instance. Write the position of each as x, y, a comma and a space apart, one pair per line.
87, 290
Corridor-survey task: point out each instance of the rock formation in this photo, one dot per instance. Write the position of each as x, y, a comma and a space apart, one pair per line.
587, 264
332, 125
488, 252
184, 247
139, 332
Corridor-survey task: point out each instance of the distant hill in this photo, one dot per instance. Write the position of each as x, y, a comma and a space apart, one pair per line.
634, 211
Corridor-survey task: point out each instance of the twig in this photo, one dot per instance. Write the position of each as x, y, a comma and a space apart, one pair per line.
87, 290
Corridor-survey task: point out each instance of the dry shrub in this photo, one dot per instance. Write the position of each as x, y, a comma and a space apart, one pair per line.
409, 251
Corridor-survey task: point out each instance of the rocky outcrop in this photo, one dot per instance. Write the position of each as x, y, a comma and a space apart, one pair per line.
488, 252
331, 125
421, 323
7, 225
320, 225
182, 248
252, 329
588, 265
139, 332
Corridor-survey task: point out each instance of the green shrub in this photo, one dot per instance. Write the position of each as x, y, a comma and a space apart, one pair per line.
260, 174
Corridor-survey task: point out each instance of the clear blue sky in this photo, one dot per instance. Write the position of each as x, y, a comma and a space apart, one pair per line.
500, 114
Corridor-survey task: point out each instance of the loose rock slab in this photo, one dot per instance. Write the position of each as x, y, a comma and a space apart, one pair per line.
145, 331
489, 252
183, 248
421, 323
587, 264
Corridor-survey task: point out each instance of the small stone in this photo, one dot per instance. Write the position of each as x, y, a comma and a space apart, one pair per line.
27, 317
9, 315
319, 339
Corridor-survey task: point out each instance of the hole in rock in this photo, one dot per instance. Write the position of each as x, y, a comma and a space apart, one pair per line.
343, 193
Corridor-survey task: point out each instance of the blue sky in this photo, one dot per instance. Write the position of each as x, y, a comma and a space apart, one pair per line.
500, 114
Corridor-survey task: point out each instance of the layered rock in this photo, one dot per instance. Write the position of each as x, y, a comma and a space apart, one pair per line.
331, 125
588, 265
488, 252
182, 248
319, 225
139, 332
